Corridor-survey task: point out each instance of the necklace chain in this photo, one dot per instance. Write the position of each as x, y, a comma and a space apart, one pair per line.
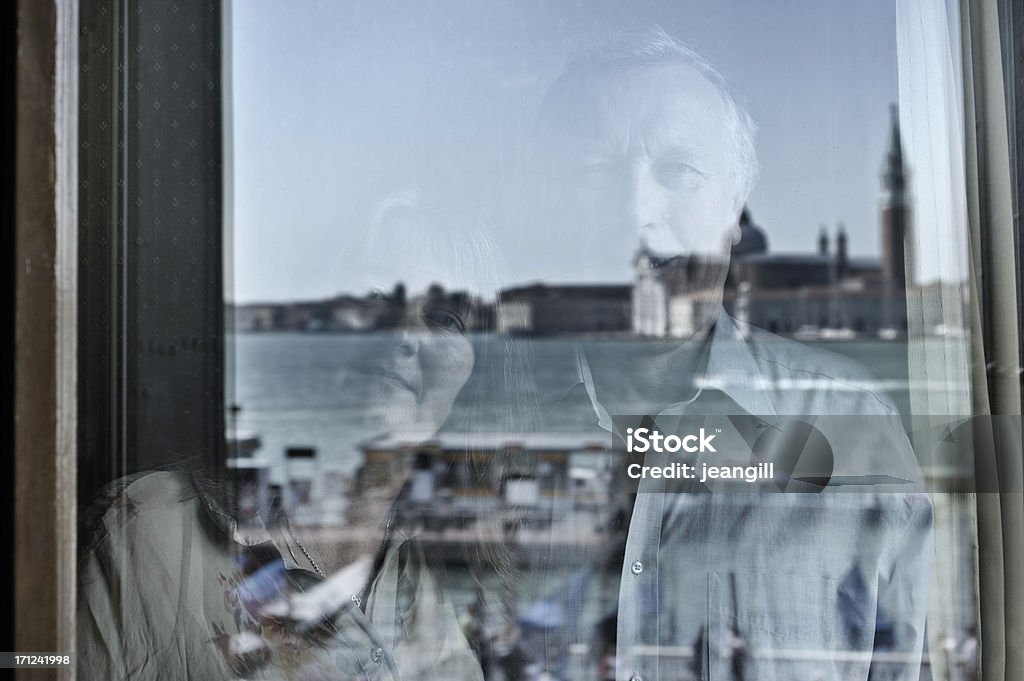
305, 552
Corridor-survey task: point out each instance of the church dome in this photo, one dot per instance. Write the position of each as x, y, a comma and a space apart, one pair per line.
752, 239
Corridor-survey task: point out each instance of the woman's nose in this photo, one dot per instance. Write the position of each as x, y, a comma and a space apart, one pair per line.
408, 343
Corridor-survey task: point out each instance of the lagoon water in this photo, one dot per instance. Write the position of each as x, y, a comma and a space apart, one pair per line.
300, 389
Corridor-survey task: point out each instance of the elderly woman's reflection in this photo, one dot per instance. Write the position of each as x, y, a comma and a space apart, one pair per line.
174, 586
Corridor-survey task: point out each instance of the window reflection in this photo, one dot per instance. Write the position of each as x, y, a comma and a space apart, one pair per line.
431, 388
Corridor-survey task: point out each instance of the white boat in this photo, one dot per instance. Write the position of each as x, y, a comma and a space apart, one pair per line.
807, 332
948, 331
838, 334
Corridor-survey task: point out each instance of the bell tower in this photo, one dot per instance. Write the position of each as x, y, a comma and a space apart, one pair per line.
894, 209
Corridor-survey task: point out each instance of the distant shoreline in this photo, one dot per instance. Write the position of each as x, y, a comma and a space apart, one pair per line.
590, 336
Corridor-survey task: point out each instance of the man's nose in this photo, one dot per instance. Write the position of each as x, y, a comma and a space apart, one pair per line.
641, 201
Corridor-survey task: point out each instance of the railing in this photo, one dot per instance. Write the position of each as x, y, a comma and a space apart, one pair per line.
580, 662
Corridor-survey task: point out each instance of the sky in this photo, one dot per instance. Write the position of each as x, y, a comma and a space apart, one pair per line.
336, 105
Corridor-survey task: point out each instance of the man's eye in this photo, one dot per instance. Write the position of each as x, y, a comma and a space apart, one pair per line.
672, 172
441, 319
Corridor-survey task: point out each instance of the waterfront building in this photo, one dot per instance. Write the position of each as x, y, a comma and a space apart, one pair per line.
541, 309
354, 314
457, 477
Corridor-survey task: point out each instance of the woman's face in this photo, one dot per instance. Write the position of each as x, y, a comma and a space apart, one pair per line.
422, 355
420, 368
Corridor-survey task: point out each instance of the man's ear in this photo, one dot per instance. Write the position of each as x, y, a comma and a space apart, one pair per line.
735, 233
730, 238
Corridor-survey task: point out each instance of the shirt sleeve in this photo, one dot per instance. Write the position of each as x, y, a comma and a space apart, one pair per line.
903, 596
129, 591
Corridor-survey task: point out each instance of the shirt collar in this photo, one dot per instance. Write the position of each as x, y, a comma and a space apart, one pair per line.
731, 368
254, 532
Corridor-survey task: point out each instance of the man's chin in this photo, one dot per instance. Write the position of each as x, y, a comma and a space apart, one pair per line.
674, 344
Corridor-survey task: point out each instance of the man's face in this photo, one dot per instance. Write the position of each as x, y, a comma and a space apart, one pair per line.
644, 158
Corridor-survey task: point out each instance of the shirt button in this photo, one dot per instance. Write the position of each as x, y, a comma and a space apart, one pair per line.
376, 655
637, 567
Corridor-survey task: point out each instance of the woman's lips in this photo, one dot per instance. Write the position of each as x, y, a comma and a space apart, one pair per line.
393, 376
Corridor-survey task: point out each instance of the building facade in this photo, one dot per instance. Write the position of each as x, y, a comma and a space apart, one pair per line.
540, 309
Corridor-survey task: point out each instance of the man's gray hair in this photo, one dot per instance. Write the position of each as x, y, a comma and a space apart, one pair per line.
651, 47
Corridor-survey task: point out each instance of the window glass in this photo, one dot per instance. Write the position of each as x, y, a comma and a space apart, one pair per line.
543, 341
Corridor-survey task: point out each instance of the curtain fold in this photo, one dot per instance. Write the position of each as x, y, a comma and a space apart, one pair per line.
931, 108
963, 259
995, 348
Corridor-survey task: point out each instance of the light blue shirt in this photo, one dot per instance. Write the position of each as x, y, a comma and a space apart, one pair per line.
746, 582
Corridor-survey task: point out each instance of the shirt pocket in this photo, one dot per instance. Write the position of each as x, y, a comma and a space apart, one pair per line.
783, 627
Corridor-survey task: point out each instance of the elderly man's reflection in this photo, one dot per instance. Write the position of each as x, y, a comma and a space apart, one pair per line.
174, 585
641, 144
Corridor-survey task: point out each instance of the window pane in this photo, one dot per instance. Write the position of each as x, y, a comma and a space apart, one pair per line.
543, 341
